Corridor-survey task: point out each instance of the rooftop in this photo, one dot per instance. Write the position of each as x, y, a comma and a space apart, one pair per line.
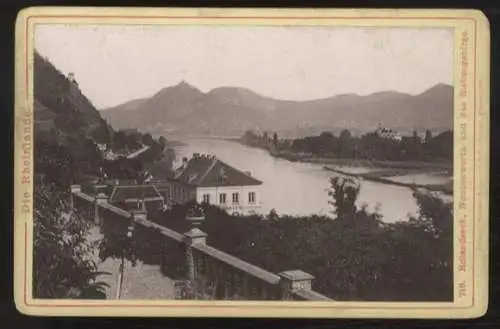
207, 171
126, 192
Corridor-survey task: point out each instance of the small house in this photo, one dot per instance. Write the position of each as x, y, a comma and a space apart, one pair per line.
132, 197
207, 179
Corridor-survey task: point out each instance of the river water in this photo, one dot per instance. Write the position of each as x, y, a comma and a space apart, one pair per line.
299, 188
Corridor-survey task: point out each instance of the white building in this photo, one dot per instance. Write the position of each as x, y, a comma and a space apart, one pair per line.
205, 178
388, 133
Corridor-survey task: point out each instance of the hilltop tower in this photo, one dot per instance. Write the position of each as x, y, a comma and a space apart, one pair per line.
71, 77
73, 85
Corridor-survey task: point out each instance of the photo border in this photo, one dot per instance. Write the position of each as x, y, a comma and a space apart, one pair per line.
471, 92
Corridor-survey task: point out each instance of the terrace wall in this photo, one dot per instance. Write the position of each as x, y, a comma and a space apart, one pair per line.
187, 257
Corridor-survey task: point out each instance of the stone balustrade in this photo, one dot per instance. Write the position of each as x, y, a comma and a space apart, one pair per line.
214, 273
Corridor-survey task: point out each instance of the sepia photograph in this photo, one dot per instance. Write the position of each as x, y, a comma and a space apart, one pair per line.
218, 162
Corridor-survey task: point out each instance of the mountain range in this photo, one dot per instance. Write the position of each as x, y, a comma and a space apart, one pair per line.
229, 111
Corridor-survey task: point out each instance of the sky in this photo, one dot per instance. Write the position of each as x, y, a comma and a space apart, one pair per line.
117, 63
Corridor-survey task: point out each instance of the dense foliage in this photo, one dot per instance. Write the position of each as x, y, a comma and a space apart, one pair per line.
64, 264
353, 255
370, 146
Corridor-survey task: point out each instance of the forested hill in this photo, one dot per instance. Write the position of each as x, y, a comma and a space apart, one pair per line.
60, 104
68, 128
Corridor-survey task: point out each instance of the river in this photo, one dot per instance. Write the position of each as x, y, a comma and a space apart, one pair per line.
298, 188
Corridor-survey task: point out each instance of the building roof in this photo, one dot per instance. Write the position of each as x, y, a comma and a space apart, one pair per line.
126, 192
208, 171
138, 152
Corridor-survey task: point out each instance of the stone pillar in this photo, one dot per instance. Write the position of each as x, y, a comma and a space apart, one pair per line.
75, 188
100, 188
244, 287
292, 281
138, 215
100, 199
191, 238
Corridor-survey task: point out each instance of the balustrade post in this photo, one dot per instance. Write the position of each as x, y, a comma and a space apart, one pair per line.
191, 238
244, 284
164, 249
75, 188
100, 200
138, 215
226, 278
293, 281
263, 292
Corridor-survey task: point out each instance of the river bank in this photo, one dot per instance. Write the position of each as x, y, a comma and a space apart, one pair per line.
378, 171
383, 178
401, 165
404, 167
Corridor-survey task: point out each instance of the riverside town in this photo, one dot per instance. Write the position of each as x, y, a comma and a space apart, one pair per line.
199, 171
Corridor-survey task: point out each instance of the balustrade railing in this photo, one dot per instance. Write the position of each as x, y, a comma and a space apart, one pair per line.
213, 273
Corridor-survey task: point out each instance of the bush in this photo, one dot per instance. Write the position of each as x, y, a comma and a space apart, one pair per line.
353, 255
64, 265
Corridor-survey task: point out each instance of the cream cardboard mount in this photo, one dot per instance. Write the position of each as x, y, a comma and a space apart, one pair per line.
72, 62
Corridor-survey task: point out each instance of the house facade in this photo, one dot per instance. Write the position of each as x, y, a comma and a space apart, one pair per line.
206, 179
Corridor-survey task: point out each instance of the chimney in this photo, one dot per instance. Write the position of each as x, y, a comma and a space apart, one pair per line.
248, 173
184, 163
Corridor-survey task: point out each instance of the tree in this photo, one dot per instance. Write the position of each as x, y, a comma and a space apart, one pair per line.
53, 161
163, 141
428, 136
133, 140
275, 139
345, 135
147, 139
119, 140
344, 145
326, 134
102, 133
344, 192
250, 135
64, 265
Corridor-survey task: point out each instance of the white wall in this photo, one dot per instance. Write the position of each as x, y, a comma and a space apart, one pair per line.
243, 207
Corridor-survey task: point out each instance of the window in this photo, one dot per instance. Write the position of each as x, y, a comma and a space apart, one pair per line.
251, 197
222, 176
236, 198
222, 198
206, 198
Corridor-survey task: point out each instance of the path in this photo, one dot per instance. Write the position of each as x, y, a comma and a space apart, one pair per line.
138, 152
140, 282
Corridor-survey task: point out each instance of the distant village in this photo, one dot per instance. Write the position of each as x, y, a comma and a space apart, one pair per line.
202, 178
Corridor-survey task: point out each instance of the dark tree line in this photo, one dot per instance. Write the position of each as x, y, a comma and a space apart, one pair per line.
370, 146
